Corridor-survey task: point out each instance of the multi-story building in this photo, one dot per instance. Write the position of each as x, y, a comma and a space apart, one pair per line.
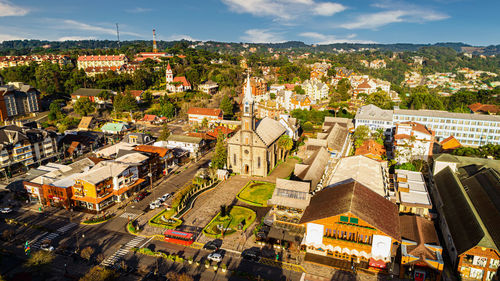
258, 89
412, 195
315, 89
13, 61
196, 115
18, 99
412, 141
208, 87
374, 117
85, 62
467, 192
21, 147
468, 129
352, 224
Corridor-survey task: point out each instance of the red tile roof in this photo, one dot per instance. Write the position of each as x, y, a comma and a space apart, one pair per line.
220, 129
205, 111
182, 79
450, 143
371, 149
101, 58
418, 127
136, 93
149, 117
204, 136
486, 108
162, 151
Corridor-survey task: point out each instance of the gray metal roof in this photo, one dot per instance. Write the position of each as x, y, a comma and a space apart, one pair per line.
269, 130
446, 114
372, 112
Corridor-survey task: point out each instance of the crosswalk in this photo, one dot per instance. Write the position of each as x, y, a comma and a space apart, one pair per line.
37, 242
128, 215
111, 260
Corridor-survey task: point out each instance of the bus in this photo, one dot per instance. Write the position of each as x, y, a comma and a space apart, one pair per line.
179, 237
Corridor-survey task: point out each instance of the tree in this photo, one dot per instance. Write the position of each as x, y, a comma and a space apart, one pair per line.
298, 89
105, 95
39, 261
285, 143
381, 99
204, 123
55, 112
125, 102
83, 106
165, 133
360, 135
343, 88
227, 106
219, 159
98, 273
87, 252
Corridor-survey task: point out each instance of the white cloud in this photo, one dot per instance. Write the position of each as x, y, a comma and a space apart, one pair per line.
177, 37
8, 37
8, 9
324, 39
72, 24
328, 8
138, 10
284, 9
75, 38
261, 36
394, 12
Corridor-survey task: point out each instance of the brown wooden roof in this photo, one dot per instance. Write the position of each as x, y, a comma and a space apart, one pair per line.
358, 199
421, 231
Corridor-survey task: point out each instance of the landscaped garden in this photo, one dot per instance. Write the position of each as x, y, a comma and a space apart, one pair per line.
256, 193
164, 219
229, 220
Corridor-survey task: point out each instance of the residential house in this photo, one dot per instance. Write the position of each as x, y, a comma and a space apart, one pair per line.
290, 101
421, 252
192, 145
412, 141
77, 143
196, 115
479, 108
351, 225
468, 193
372, 149
86, 123
18, 99
291, 126
91, 94
53, 186
137, 94
315, 90
412, 195
165, 156
137, 138
114, 128
151, 119
208, 87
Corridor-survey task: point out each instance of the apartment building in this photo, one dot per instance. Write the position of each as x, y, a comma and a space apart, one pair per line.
196, 115
412, 141
18, 99
85, 62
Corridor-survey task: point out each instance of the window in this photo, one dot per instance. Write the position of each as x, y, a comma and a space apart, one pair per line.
234, 159
344, 219
258, 162
353, 220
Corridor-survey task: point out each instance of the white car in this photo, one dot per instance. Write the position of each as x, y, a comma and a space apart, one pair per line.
155, 204
47, 247
166, 196
216, 257
5, 210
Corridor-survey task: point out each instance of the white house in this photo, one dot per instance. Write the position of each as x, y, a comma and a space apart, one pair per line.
412, 141
291, 126
315, 89
374, 117
185, 143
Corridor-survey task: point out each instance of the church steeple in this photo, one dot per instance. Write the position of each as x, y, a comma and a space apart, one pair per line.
247, 120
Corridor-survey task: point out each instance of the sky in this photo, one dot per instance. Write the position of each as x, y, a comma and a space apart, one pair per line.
473, 22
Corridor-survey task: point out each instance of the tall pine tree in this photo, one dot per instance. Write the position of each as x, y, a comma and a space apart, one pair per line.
220, 156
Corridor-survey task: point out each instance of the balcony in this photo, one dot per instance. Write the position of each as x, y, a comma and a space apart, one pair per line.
359, 246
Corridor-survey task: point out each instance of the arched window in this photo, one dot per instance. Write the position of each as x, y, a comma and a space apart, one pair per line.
258, 162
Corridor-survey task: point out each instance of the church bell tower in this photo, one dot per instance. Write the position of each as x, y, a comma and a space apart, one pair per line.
248, 119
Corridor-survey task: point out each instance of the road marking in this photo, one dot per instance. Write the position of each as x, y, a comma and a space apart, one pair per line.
146, 242
67, 227
120, 253
128, 215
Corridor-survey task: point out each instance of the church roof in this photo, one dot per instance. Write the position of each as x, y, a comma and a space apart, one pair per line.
269, 130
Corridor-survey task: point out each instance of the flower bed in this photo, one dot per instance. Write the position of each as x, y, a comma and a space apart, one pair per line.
239, 217
164, 220
97, 220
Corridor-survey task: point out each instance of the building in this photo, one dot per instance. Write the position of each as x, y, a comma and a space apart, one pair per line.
23, 147
312, 169
253, 150
258, 89
196, 115
334, 136
177, 84
421, 252
192, 145
86, 123
412, 195
374, 117
13, 61
209, 87
479, 108
106, 183
85, 62
353, 225
449, 143
468, 129
53, 186
114, 128
137, 138
92, 94
412, 141
290, 101
370, 173
165, 155
77, 143
315, 90
372, 149
18, 99
291, 126
468, 193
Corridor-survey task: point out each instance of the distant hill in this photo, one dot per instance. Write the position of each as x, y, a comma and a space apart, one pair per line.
19, 47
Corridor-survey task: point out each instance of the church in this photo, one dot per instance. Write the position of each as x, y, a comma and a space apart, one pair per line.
253, 150
177, 84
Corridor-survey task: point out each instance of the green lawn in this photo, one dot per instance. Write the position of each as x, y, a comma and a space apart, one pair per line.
238, 217
256, 193
162, 220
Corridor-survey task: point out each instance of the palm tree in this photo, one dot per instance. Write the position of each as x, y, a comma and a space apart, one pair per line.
285, 143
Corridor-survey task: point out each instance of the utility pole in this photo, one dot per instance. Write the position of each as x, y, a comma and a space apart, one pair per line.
118, 35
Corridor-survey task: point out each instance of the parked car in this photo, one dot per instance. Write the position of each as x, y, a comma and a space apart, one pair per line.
160, 199
5, 210
213, 245
155, 204
166, 196
251, 255
140, 197
216, 257
46, 246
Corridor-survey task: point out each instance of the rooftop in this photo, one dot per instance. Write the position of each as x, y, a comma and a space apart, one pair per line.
184, 138
372, 112
205, 111
446, 114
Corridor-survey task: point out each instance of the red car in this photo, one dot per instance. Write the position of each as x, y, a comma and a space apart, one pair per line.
140, 197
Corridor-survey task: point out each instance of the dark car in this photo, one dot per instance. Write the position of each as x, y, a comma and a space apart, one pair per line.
251, 254
139, 197
213, 245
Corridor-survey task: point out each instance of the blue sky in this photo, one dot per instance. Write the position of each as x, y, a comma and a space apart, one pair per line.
311, 21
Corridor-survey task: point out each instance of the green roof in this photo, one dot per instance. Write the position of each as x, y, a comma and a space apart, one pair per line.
114, 127
465, 161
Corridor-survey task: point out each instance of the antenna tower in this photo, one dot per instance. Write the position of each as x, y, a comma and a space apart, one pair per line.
118, 35
155, 49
